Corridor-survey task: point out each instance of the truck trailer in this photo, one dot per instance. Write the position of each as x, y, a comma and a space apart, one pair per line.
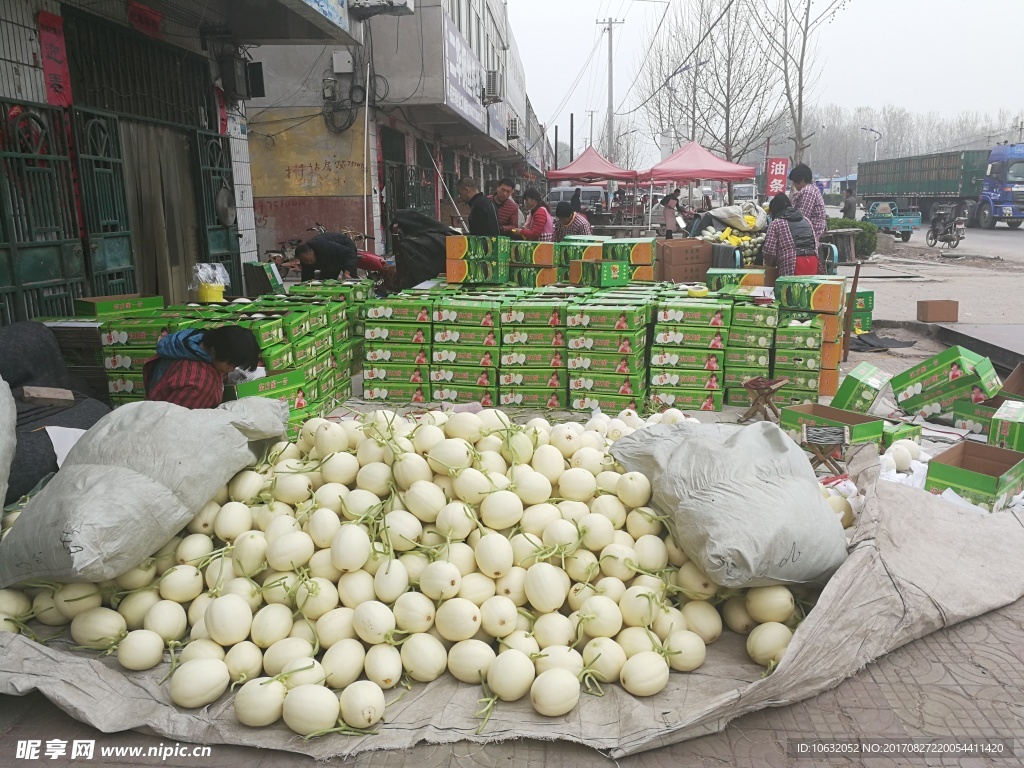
987, 185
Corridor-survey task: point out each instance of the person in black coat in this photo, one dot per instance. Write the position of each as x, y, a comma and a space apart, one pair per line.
483, 216
577, 200
330, 253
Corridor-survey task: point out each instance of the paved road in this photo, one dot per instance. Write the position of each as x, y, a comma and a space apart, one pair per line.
1002, 241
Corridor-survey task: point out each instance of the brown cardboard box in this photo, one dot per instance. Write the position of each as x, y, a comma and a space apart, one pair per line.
683, 260
831, 354
828, 382
938, 311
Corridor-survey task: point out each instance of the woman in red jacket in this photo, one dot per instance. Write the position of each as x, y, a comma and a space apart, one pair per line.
540, 226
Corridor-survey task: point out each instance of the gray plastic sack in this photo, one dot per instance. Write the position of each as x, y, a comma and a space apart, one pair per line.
743, 502
8, 436
133, 481
732, 216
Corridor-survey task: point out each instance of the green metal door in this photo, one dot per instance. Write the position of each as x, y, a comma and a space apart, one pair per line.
42, 269
217, 200
104, 205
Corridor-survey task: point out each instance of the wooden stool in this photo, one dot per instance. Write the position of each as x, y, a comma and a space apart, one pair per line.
822, 442
761, 392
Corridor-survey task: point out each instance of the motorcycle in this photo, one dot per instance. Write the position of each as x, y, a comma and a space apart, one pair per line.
947, 229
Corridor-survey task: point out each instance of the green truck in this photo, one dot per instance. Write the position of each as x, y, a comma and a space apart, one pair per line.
987, 185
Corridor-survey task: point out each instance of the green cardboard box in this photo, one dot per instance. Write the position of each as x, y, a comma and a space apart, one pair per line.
532, 357
344, 355
396, 392
608, 403
304, 349
315, 314
982, 474
352, 291
477, 272
1007, 429
127, 359
811, 293
587, 238
623, 384
397, 333
572, 250
342, 334
328, 310
977, 387
630, 250
936, 371
719, 278
694, 312
137, 331
534, 378
898, 430
864, 301
687, 399
388, 373
549, 313
283, 386
977, 417
691, 336
450, 393
757, 315
735, 375
323, 340
470, 247
599, 362
861, 388
621, 342
482, 336
796, 359
462, 376
832, 326
396, 354
278, 357
600, 317
862, 322
863, 429
521, 397
104, 306
599, 274
682, 357
784, 397
797, 337
747, 357
478, 312
686, 378
465, 355
343, 389
125, 383
751, 336
398, 309
801, 380
268, 330
534, 335
533, 276
527, 252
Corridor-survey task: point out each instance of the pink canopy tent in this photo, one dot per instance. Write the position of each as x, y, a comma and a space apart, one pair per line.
691, 162
590, 167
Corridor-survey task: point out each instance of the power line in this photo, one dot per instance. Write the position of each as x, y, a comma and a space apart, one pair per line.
641, 68
683, 63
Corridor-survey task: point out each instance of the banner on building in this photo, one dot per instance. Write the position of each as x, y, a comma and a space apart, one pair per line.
775, 178
463, 76
55, 59
146, 20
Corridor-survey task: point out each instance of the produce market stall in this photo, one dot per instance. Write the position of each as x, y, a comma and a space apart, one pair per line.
590, 168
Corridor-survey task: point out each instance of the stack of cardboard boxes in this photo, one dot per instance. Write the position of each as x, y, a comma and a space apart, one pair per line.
467, 343
808, 341
977, 416
750, 346
863, 309
691, 340
932, 388
397, 333
478, 260
607, 340
534, 364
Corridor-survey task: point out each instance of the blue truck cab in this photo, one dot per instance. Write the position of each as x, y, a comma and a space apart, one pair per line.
1002, 193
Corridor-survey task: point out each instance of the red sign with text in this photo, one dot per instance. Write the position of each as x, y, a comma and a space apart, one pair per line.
146, 20
55, 59
775, 178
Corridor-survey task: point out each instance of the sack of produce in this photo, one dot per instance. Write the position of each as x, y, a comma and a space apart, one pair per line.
743, 502
744, 216
8, 438
131, 483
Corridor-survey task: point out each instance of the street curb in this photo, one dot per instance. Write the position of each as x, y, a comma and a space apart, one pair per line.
925, 329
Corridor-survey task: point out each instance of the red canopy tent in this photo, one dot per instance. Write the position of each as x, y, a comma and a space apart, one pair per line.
692, 162
589, 167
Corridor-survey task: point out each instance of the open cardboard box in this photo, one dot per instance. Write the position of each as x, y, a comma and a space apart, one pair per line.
982, 474
863, 429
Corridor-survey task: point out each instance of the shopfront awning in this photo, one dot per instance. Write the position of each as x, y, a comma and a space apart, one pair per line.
692, 162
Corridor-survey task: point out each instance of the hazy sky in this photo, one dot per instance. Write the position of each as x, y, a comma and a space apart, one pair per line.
926, 55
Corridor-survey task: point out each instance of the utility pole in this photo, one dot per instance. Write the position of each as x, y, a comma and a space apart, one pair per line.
591, 112
572, 136
556, 147
610, 24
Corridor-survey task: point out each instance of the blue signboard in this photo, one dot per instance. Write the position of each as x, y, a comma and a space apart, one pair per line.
463, 76
335, 11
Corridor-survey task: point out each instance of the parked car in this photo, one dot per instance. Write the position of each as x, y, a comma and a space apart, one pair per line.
591, 197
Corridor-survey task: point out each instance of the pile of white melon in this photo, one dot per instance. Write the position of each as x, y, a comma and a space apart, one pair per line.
384, 550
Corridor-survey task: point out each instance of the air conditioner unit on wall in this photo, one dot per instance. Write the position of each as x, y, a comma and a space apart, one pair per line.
364, 9
513, 128
494, 90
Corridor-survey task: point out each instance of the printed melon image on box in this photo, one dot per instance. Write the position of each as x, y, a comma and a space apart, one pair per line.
861, 388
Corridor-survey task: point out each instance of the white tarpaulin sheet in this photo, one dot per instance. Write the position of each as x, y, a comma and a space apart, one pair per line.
916, 564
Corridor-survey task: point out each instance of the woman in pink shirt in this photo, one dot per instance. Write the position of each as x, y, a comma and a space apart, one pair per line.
540, 226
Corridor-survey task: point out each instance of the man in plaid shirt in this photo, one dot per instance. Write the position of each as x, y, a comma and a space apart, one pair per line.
789, 244
508, 211
569, 222
808, 200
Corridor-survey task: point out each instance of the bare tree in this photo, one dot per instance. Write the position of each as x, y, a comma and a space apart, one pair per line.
789, 30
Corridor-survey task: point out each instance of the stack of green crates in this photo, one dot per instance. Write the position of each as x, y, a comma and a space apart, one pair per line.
688, 359
467, 346
477, 260
534, 366
607, 338
863, 309
809, 339
750, 343
397, 343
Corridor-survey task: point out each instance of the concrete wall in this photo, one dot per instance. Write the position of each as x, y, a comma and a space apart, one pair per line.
408, 53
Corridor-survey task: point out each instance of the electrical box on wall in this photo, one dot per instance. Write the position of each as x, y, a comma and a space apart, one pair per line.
342, 64
364, 9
